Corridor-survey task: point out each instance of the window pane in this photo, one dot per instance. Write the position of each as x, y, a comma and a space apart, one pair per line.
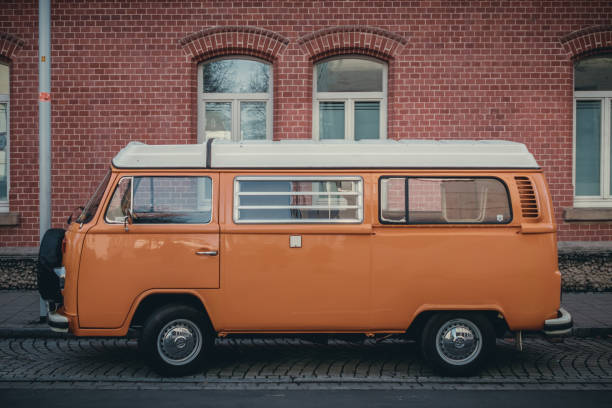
367, 120
331, 120
172, 200
4, 79
349, 75
120, 202
393, 199
299, 201
236, 76
218, 116
593, 74
253, 120
448, 201
588, 147
3, 150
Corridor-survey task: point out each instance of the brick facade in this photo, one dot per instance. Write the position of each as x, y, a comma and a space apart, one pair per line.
126, 70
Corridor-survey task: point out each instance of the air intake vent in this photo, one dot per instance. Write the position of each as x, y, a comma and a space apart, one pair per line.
529, 204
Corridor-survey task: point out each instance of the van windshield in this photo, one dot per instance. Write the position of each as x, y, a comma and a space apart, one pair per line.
92, 205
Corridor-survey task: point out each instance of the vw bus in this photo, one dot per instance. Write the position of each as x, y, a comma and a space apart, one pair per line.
450, 242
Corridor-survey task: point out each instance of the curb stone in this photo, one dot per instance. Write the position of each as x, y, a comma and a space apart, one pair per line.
33, 332
45, 332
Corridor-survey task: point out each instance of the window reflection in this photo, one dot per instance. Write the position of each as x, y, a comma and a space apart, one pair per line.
236, 99
350, 99
236, 76
253, 120
593, 74
349, 75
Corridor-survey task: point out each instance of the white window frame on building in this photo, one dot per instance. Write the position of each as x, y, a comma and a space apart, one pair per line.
604, 199
5, 99
235, 99
349, 99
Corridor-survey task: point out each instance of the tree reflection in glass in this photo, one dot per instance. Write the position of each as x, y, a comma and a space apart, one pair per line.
253, 120
236, 76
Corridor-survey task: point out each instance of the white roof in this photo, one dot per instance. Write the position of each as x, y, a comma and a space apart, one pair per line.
329, 154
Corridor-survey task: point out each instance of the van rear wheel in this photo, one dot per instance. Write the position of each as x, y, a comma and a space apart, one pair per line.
457, 343
175, 339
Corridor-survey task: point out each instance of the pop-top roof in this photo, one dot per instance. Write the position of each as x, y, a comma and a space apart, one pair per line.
223, 154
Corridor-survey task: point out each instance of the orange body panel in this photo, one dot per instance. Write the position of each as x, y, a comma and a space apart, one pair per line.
365, 277
118, 265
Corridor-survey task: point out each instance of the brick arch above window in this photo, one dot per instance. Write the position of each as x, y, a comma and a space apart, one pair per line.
588, 40
234, 40
10, 45
339, 40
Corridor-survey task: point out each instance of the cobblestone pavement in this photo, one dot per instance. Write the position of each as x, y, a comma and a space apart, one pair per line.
296, 364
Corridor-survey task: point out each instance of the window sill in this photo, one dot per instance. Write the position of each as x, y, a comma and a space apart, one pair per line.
587, 214
9, 219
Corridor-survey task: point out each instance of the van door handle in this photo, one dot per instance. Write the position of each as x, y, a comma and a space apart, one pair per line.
209, 253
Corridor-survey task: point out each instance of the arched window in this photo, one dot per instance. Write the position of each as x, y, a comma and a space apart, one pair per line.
592, 131
235, 99
350, 99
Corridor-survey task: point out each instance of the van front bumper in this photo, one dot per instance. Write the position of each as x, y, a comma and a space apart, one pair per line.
57, 321
561, 326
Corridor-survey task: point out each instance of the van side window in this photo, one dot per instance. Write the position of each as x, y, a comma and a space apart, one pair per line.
298, 199
430, 200
162, 200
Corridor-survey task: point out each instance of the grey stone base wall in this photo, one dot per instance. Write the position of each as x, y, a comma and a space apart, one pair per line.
581, 271
18, 273
586, 272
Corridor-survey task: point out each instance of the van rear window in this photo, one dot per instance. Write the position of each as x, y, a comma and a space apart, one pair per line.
430, 200
298, 199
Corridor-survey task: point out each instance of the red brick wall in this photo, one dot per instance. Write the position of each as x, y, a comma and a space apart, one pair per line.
125, 70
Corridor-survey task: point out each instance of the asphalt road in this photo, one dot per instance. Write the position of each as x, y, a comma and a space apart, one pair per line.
305, 399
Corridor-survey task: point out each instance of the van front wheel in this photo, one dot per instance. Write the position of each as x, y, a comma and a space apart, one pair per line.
457, 343
175, 339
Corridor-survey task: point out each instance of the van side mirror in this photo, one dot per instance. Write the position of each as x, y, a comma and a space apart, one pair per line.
128, 220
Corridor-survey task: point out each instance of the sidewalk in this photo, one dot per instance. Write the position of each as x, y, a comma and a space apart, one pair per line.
19, 314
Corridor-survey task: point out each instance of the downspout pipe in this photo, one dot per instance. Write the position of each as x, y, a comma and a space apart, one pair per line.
44, 122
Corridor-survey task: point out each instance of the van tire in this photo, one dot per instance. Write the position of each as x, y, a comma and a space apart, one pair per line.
175, 339
459, 355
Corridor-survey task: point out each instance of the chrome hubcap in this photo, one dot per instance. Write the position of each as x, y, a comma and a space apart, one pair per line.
459, 342
179, 342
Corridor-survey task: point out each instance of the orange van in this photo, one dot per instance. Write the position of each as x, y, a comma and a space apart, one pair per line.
452, 243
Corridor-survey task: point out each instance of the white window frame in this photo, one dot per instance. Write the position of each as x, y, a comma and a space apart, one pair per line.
604, 199
349, 99
5, 98
358, 192
235, 99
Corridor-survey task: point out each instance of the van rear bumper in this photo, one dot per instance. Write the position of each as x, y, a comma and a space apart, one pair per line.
561, 326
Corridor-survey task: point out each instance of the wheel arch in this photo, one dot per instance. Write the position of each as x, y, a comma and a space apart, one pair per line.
153, 300
496, 317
